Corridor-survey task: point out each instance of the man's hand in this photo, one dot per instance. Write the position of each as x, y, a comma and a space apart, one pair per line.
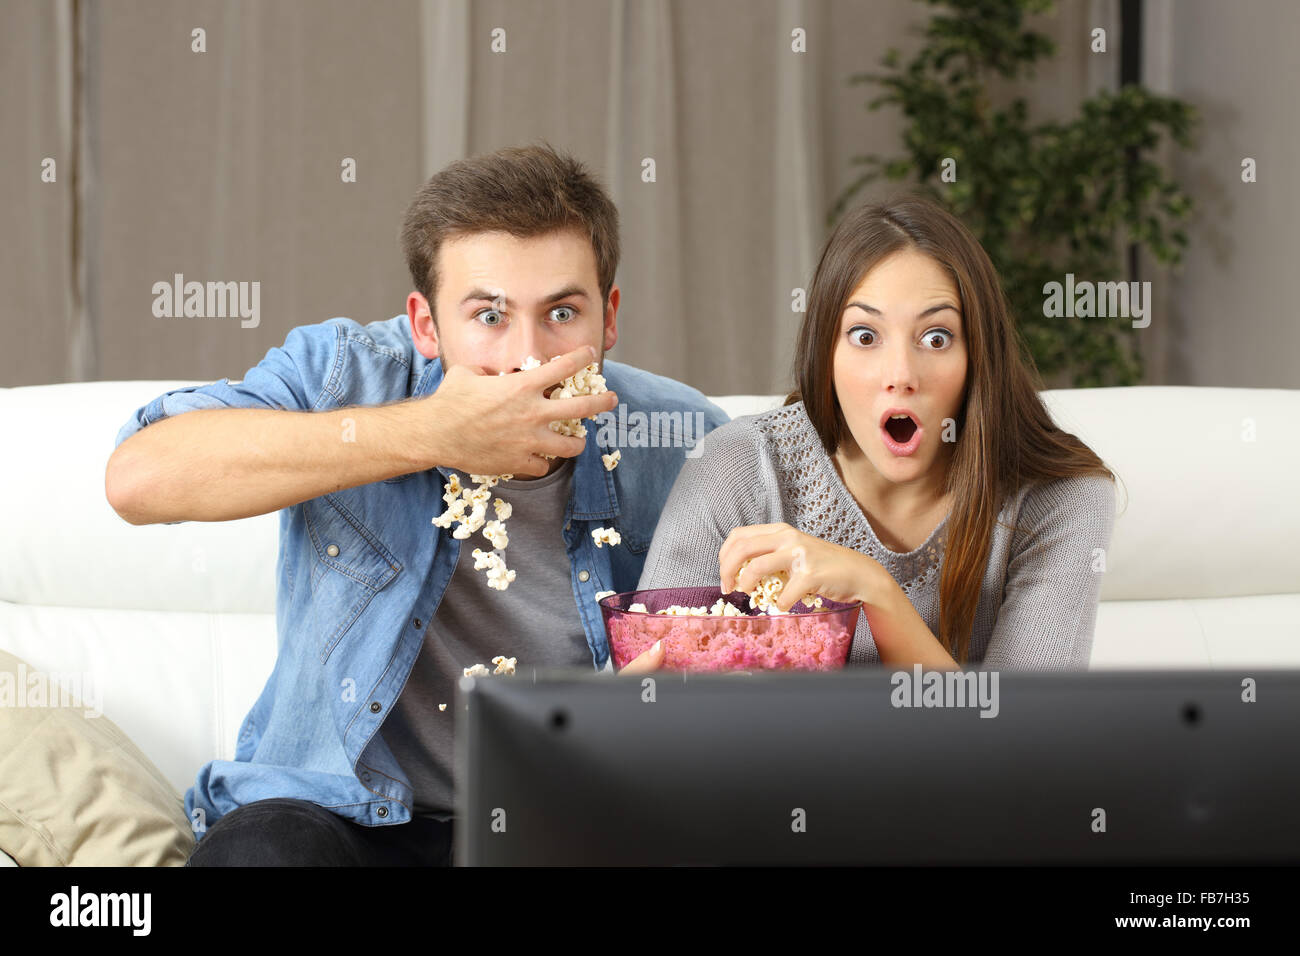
649, 660
500, 424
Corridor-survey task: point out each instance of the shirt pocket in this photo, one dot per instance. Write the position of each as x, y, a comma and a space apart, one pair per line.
634, 542
350, 566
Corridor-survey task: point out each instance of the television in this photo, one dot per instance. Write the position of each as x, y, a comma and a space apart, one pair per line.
878, 766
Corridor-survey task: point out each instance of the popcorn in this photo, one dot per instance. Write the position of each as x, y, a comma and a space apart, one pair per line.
601, 595
495, 531
611, 460
639, 608
442, 706
504, 665
498, 575
476, 499
459, 498
585, 381
603, 536
763, 596
720, 608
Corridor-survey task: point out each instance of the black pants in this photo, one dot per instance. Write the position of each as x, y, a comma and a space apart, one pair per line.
285, 832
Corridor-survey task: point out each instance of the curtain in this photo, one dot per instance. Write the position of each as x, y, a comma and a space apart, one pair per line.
225, 164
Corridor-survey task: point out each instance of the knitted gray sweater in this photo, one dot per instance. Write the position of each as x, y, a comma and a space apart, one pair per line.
1038, 600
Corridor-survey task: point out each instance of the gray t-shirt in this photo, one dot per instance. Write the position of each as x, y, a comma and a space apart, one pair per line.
534, 620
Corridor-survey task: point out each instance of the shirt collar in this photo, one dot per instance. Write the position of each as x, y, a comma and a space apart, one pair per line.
593, 486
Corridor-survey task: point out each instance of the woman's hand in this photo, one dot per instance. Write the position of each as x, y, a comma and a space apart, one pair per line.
815, 566
651, 659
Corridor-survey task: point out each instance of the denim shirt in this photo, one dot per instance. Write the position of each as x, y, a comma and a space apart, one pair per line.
362, 570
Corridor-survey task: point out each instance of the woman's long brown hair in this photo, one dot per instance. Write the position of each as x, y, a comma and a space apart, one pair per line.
1005, 436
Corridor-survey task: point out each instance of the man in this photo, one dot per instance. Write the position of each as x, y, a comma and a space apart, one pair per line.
351, 432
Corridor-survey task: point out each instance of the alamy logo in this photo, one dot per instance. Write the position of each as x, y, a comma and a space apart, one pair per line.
208, 300
1100, 299
24, 688
946, 689
102, 909
636, 429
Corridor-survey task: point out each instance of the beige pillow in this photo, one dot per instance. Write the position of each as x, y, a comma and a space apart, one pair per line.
74, 790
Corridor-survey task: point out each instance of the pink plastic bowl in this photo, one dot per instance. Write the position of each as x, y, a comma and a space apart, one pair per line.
804, 639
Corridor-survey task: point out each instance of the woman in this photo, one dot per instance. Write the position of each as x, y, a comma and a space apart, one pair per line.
914, 468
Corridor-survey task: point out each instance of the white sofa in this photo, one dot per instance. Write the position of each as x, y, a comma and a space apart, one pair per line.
176, 622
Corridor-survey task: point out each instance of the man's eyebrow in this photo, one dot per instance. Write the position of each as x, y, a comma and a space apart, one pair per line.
928, 312
487, 296
566, 292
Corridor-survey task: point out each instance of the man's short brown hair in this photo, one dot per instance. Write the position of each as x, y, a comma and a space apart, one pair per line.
525, 191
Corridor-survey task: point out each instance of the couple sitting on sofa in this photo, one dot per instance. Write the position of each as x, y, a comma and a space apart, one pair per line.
912, 468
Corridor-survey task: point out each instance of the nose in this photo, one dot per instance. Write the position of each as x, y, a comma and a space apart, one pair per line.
524, 341
898, 371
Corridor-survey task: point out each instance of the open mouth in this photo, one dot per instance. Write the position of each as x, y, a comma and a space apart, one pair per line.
901, 436
900, 429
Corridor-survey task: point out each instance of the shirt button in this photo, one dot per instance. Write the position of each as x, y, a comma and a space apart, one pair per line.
374, 707
366, 777
583, 576
332, 550
417, 624
381, 812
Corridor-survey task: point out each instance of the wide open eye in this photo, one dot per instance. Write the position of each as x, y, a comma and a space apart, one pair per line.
568, 311
482, 317
855, 335
933, 332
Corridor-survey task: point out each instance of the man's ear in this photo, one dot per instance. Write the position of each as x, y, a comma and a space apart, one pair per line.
424, 333
611, 319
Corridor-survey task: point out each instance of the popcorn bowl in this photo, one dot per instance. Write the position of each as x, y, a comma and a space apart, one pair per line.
804, 639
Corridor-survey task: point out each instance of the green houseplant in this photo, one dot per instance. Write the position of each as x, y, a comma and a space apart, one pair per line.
1045, 199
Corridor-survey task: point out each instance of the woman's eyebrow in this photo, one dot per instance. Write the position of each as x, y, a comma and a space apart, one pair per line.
928, 312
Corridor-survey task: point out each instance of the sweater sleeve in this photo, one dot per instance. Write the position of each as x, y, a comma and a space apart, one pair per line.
725, 487
1049, 604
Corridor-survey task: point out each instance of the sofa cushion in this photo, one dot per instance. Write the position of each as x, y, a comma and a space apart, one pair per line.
74, 789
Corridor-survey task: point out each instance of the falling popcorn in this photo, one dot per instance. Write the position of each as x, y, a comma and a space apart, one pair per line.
603, 536
498, 575
442, 706
611, 460
504, 665
459, 498
495, 531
